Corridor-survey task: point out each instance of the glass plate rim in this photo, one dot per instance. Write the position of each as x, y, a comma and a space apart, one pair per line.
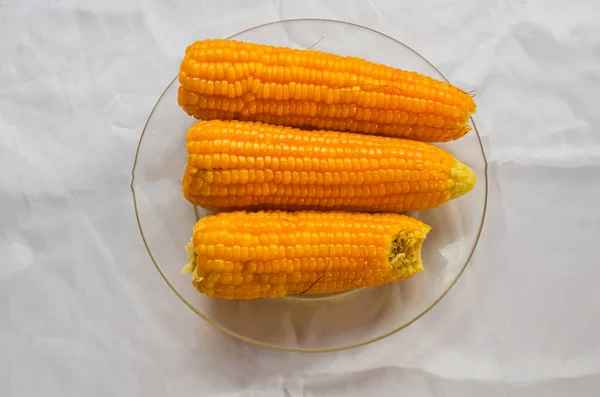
300, 350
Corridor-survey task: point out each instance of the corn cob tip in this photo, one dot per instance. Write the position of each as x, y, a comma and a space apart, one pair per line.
191, 265
462, 180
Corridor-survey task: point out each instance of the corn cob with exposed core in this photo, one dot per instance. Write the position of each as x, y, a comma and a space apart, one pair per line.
247, 165
246, 255
226, 79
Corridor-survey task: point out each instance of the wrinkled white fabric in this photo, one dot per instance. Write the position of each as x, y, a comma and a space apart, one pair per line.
83, 312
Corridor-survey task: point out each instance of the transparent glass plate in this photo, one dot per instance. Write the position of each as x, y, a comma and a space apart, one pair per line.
323, 323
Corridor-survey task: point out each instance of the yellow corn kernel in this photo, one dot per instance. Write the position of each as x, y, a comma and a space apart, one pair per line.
360, 250
284, 86
250, 165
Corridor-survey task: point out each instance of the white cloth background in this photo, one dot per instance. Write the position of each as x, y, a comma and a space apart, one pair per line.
83, 312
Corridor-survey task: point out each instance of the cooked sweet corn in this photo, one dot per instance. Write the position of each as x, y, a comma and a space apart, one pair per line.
247, 165
248, 255
226, 79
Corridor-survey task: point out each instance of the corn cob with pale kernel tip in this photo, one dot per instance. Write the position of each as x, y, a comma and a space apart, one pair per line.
247, 165
226, 79
248, 255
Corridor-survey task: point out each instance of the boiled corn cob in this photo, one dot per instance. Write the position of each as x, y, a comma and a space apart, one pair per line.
247, 255
248, 165
226, 79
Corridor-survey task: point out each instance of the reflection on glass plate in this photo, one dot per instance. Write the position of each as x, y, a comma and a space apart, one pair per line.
326, 323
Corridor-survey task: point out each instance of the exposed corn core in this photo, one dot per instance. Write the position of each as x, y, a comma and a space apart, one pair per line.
246, 165
247, 255
226, 79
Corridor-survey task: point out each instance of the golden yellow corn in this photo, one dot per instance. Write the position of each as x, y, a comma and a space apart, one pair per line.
250, 165
226, 79
247, 255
